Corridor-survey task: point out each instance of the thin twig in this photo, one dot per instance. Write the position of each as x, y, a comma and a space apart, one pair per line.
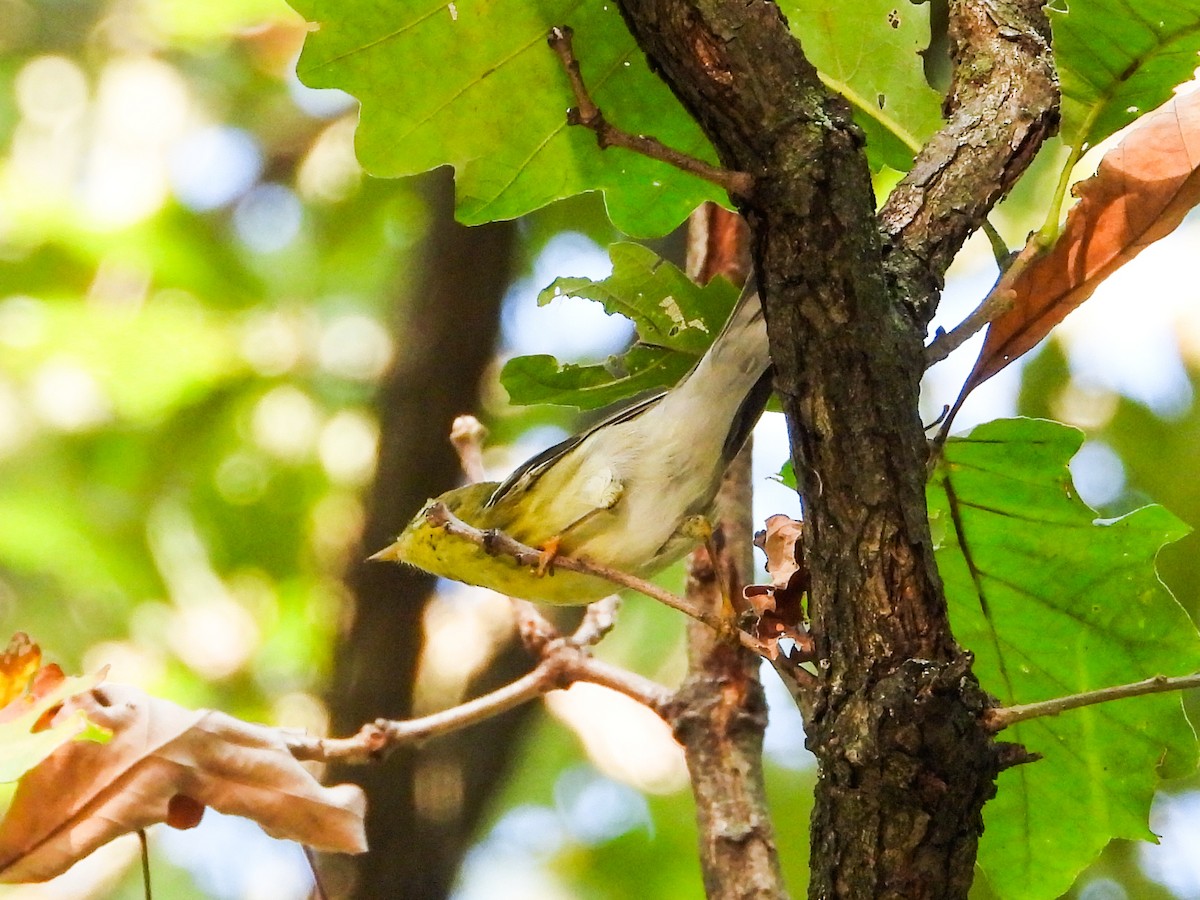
562, 664
587, 114
499, 543
1001, 718
524, 689
998, 301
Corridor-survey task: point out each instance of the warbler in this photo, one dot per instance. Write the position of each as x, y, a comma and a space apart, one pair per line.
630, 492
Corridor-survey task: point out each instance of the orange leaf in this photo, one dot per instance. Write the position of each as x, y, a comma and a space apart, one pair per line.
18, 663
32, 721
1140, 193
85, 794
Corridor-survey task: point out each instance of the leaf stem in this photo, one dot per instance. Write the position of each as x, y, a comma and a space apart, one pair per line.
145, 852
1001, 718
1048, 233
587, 114
1000, 249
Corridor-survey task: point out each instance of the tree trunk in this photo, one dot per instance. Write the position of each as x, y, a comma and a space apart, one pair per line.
423, 803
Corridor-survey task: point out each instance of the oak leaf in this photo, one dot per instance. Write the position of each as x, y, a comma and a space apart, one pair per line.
1140, 193
85, 794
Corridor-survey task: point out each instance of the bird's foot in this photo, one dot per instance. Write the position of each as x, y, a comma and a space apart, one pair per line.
549, 552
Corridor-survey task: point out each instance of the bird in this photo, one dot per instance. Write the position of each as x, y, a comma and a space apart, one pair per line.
631, 492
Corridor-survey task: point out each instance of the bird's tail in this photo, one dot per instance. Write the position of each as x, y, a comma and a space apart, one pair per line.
734, 376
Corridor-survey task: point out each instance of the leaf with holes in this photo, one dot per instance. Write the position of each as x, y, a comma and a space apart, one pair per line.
1117, 59
869, 52
676, 320
473, 84
1054, 602
543, 379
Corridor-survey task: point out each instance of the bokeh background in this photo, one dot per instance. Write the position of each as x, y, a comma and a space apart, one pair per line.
228, 361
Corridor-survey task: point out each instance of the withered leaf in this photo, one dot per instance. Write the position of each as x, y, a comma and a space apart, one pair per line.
1140, 193
779, 605
85, 794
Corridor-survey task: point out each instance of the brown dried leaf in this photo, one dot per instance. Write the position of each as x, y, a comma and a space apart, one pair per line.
1139, 194
779, 605
779, 543
86, 794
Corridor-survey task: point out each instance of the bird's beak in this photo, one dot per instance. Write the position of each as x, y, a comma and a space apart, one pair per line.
391, 553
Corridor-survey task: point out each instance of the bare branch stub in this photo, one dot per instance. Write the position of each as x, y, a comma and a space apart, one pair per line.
1002, 717
587, 114
467, 434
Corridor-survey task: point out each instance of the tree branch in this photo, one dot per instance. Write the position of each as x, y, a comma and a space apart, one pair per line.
1002, 106
906, 763
998, 719
719, 713
496, 542
587, 114
563, 662
998, 301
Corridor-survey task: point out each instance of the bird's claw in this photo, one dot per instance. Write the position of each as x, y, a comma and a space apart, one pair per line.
549, 552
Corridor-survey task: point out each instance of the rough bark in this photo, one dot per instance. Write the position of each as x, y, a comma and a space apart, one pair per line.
719, 714
1002, 105
905, 765
423, 803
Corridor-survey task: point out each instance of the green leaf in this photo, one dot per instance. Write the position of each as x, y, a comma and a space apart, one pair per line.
543, 379
787, 475
1054, 602
473, 84
676, 320
668, 308
869, 52
1117, 60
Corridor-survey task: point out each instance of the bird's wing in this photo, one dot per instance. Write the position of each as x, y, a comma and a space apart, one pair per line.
533, 468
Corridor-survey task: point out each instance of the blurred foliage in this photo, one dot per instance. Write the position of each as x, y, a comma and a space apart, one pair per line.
197, 291
195, 281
